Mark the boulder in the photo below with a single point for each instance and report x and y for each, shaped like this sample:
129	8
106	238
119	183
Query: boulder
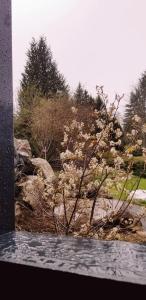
106	207
138	195
22	166
59	210
46	169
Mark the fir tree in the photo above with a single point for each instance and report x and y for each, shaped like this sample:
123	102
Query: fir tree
136	105
41	70
82	97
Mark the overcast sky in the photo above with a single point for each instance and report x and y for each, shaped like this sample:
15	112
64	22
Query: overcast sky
93	41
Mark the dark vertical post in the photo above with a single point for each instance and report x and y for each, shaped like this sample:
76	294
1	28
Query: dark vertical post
7	219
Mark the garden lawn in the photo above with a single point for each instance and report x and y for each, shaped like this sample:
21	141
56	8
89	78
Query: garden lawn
134	179
131	185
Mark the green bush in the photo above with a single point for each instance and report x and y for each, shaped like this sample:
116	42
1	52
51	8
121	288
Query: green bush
139	168
137	152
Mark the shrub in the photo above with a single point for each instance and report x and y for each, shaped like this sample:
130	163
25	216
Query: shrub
139	168
85	170
47	126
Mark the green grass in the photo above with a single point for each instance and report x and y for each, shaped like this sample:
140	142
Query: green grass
131	185
113	192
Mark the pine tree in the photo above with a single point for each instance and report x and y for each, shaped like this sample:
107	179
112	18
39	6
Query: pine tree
99	103
41	70
136	105
131	110
82	97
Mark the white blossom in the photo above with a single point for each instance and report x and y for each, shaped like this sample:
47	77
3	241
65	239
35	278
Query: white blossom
78	153
66	155
113	150
136	118
118	162
139	142
100	124
119	142
133	132
112	143
118	133
74	110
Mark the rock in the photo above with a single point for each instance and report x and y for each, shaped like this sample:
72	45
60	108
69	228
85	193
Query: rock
22	147
42	165
105	207
22	155
23	166
138	195
98	215
28	168
18	160
59	210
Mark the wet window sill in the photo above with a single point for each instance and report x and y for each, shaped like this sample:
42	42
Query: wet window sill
116	260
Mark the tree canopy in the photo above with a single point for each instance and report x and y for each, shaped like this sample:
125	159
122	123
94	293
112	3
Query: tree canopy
137	104
82	97
41	70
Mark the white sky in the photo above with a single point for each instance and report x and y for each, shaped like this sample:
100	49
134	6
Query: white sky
93	41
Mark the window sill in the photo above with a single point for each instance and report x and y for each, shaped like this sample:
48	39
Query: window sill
115	260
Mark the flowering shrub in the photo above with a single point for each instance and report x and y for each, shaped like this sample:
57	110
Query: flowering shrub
86	172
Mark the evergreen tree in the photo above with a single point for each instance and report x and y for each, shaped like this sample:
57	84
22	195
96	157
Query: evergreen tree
99	103
82	97
136	105
41	70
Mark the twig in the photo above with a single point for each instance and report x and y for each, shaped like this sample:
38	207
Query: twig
65	212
